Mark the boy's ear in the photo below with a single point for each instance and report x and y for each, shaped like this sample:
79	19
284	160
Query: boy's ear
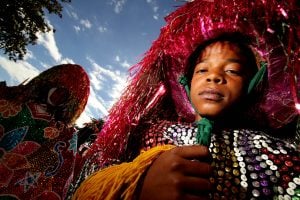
258	77
184	82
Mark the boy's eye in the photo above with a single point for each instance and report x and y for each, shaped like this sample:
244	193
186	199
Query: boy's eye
201	71
201	68
233	72
233	69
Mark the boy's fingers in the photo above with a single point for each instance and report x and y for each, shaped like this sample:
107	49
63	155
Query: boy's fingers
197	185
196	168
192	152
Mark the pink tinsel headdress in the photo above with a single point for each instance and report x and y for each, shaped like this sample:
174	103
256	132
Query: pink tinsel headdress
273	24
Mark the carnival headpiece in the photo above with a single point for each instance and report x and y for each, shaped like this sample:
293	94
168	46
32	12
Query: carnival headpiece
70	78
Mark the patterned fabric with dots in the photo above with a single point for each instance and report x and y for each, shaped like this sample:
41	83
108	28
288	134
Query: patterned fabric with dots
248	164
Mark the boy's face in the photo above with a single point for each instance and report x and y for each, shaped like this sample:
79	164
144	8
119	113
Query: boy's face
219	79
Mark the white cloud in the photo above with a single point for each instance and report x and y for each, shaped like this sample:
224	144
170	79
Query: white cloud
18	71
67	61
155	8
72	14
28	55
125	64
86	23
102	29
118	5
77	28
48	41
45	65
117	90
96	80
101	76
111	74
96	102
117	58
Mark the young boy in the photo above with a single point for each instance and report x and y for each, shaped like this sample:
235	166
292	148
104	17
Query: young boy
219	82
239	163
151	137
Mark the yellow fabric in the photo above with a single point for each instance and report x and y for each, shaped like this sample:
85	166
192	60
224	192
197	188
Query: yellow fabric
118	181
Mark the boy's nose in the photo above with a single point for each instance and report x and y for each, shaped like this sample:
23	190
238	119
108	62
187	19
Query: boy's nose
215	77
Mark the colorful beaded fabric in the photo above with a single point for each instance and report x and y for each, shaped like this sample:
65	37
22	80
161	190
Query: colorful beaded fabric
38	144
247	164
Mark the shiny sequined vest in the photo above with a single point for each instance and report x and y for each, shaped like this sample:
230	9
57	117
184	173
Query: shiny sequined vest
247	164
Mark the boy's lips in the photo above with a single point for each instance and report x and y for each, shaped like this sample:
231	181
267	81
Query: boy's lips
211	94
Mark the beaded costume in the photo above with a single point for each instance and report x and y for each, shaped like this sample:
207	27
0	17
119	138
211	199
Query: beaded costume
247	163
38	142
154	110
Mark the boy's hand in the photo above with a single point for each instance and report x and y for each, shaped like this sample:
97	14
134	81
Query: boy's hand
181	173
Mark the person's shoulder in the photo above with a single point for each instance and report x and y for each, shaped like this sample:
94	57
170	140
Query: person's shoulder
173	123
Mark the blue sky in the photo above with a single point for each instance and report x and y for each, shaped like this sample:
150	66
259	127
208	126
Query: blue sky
106	37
